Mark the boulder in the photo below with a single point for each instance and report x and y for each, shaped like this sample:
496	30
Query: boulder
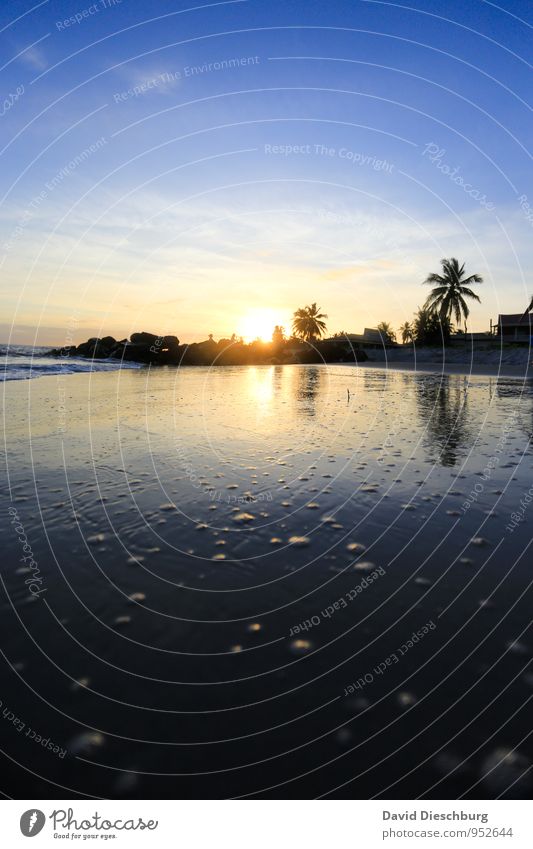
103	347
144	338
86	349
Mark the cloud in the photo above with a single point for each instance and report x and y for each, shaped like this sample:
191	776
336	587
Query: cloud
135	82
34	58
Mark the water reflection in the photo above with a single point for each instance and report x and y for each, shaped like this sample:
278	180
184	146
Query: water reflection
442	404
308	386
522	392
261	386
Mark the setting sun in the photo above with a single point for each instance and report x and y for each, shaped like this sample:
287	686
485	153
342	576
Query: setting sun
259	324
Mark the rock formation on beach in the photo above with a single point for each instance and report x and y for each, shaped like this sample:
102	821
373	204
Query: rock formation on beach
140	348
151	349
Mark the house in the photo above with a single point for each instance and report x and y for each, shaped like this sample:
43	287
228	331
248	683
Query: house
515	327
371	338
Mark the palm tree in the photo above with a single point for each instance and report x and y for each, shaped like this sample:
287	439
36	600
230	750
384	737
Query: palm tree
430	329
448	296
308	323
386	331
406	331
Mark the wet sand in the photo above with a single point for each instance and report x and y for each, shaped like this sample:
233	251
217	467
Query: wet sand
240	582
524	371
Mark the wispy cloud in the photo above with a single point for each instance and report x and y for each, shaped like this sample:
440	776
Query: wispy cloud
133	81
34	58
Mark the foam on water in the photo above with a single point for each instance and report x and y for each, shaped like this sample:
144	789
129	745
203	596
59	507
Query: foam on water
23	362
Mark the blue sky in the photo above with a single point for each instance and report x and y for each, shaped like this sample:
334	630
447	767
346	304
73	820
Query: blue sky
196	170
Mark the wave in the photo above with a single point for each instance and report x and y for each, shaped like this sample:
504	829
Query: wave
22	351
22	362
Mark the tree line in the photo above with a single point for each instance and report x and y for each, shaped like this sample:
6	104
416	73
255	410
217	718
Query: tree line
433	322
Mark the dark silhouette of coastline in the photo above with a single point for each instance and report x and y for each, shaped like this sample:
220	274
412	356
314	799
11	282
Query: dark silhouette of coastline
152	349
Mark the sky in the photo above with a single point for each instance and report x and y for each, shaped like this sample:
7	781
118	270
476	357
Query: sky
195	168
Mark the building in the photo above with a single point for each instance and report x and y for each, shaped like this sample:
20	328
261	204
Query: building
371	338
515	327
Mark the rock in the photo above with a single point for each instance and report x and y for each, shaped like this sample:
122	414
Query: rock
144	338
143	348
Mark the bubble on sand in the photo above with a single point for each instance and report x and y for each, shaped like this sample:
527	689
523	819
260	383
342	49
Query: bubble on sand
137	597
503	768
121	621
406	699
355	547
86	743
243	518
517	647
364	566
80	684
95	539
358	705
300	646
299	542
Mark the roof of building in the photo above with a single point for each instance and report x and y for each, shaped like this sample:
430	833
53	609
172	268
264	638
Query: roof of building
514	319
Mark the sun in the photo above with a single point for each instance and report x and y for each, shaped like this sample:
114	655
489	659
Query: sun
258	324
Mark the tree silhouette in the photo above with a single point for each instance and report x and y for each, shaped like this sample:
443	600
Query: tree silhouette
406	332
386	331
308	323
448	296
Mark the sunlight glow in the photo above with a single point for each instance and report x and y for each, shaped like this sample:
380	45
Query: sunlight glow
258	324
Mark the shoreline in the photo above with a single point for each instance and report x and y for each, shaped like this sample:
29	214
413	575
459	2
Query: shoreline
523	371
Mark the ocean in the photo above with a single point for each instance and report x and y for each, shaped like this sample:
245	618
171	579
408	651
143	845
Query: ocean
24	362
